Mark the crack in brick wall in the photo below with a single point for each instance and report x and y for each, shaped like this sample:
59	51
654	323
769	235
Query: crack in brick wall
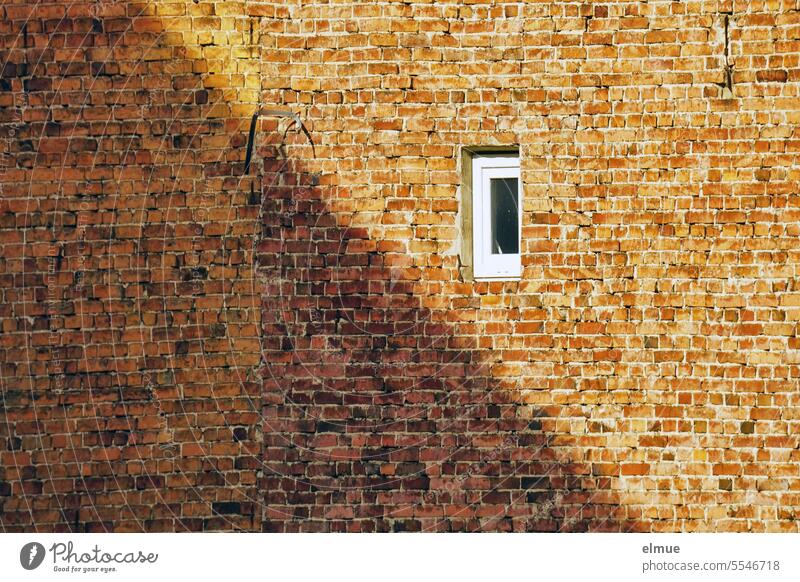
652	340
186	348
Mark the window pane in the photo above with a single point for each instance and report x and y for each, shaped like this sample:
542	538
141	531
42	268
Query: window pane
505	216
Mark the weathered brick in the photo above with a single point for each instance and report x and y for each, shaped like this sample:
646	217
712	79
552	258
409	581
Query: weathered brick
191	327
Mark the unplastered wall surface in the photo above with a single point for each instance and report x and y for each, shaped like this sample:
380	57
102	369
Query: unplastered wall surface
130	345
301	350
643	373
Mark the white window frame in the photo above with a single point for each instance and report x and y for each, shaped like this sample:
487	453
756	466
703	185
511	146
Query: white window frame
485	264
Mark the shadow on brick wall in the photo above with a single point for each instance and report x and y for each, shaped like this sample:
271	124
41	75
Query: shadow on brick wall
129	327
381	412
129	399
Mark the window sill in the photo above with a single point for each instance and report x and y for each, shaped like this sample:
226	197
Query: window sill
479	279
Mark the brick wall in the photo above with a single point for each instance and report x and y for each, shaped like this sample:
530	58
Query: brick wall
298	350
130	336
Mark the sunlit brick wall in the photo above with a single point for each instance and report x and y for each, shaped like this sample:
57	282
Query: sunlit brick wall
300	349
643	374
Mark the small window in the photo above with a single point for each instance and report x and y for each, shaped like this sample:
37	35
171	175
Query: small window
496	217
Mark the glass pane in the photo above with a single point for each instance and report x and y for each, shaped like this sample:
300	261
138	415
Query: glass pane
505	216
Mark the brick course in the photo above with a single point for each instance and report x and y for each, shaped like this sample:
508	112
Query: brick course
299	349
